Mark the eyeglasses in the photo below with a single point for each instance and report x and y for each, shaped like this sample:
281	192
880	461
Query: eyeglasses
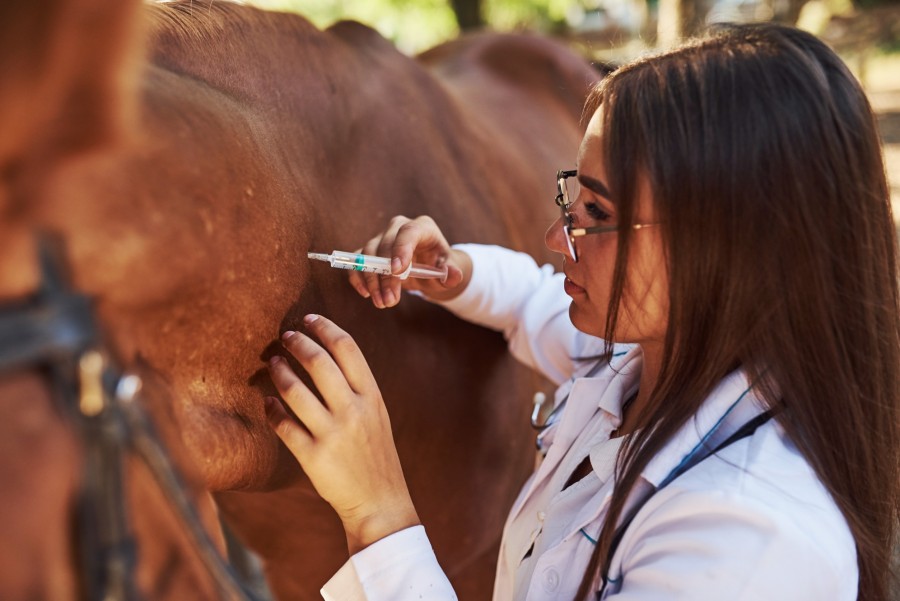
563	202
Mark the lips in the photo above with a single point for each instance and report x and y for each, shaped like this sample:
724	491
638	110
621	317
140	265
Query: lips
572	288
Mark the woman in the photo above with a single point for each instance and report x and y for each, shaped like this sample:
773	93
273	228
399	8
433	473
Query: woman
726	425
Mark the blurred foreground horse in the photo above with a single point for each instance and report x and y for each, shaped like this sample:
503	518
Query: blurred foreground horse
64	96
260	138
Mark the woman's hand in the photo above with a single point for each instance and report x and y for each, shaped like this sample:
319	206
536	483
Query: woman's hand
412	240
344	443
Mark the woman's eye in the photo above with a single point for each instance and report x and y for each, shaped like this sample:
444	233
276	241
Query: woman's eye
596	212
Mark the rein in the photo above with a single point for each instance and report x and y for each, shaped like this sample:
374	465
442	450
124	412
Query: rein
56	330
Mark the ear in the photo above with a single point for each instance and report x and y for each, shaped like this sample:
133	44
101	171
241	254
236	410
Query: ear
65	67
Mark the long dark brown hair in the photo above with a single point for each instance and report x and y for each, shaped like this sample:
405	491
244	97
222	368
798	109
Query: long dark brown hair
767	175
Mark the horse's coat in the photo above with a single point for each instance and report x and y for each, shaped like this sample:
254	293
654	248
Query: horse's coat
261	138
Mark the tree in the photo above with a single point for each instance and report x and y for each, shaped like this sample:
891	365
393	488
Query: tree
677	20
468	14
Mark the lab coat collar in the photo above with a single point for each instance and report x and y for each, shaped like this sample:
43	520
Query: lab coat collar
625	366
731	404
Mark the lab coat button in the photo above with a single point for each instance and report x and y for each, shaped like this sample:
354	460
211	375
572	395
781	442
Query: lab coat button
541	516
551	580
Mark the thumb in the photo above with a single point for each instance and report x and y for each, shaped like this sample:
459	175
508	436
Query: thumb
454	276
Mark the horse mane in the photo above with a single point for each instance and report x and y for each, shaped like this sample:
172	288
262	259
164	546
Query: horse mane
199	23
241	50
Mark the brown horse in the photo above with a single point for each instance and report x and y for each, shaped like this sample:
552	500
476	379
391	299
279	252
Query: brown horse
261	138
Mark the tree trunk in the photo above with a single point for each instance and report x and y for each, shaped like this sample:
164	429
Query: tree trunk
793	11
678	19
468	14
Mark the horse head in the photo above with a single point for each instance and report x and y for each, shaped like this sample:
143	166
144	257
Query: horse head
68	98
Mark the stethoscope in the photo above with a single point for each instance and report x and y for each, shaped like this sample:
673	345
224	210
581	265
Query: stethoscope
540	399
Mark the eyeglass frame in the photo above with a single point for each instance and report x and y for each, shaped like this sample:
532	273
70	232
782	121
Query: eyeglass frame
563	202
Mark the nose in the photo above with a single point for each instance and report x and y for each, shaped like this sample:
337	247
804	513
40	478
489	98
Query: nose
555	238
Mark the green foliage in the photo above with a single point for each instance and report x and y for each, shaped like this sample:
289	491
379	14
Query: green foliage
543	15
415	25
412	25
871	3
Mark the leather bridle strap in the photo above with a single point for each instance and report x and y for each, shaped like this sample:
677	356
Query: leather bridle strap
56	330
54	326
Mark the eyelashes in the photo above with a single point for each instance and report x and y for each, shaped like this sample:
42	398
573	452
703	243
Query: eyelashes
595	212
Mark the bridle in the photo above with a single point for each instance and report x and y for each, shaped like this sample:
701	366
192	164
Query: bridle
57	330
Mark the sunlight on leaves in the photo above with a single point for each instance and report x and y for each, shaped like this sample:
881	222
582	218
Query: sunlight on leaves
411	26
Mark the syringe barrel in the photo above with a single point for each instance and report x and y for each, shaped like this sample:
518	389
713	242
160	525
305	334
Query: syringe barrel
358	262
417	270
382	265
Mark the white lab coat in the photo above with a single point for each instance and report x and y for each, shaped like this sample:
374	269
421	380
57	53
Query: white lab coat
753	522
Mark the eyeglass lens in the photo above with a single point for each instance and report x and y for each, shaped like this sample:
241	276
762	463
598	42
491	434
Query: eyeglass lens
569	188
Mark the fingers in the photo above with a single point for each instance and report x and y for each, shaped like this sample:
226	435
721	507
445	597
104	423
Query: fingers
384	290
293	434
391	286
407	239
404	240
454	276
337	367
339	372
402	245
305	405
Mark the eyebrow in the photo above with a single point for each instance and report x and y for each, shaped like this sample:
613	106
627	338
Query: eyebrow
594	185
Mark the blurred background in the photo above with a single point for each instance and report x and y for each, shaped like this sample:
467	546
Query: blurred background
606	27
866	33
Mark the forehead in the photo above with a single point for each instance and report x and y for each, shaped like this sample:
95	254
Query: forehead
590	151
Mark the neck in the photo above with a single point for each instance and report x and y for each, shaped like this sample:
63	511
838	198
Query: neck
652	360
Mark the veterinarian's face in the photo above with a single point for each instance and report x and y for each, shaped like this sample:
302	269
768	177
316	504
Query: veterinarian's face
642	316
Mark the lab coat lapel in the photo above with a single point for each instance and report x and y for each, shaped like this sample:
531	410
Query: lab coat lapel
587	395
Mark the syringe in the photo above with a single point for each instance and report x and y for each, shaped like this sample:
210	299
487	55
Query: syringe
358	262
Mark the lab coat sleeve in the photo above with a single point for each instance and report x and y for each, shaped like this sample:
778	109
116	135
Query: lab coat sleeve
714	545
511	294
399	567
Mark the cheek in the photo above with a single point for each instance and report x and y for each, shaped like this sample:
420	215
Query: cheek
646	298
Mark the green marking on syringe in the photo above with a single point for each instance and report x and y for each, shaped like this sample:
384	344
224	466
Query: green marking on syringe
360	263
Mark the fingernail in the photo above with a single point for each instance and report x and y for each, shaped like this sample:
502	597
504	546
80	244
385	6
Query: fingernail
274	359
360	289
310	318
388	297
288	334
451	276
270	406
396	264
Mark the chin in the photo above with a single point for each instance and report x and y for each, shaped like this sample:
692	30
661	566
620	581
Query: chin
587	322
